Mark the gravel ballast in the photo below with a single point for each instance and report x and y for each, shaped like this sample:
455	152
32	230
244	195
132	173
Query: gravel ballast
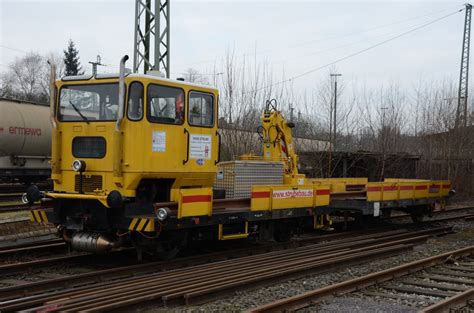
242	300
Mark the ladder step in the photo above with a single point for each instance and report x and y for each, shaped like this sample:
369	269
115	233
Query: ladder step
238	233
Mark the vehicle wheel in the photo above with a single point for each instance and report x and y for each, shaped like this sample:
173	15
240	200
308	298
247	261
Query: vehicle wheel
283	232
283	236
366	221
417	217
170	247
386	213
168	250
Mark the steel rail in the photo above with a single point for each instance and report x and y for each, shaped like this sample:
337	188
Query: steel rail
23	266
10	196
46	262
10	188
193	283
43	247
306	299
447	210
193	260
31	244
174	285
449	303
14	207
202	292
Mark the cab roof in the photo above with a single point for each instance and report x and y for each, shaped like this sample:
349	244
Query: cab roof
134	75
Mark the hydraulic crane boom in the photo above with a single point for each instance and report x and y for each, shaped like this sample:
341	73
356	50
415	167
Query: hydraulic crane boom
277	139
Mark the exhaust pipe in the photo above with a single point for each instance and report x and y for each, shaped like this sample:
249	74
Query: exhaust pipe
118	153
92	242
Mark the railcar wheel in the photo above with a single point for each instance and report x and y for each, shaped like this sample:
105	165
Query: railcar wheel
386	213
283	231
168	250
283	236
417	217
169	247
166	247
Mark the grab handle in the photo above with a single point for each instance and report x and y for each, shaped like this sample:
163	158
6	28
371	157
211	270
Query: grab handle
187	146
218	148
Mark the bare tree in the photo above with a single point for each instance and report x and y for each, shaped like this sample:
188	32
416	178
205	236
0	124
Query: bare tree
194	76
27	78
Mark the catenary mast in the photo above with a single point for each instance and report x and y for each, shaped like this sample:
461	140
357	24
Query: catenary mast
151	50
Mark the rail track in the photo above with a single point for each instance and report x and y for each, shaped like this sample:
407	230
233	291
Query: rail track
53	245
10	202
13	208
448	276
349	242
57	246
20	188
10	197
437	212
187	281
36	249
462	302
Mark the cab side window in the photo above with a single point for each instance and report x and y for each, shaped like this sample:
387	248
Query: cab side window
135	101
201	109
165	104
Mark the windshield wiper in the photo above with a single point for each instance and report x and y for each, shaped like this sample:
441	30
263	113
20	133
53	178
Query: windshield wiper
78	112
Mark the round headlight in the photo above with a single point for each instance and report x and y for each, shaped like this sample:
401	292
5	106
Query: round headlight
162	213
79	165
24	198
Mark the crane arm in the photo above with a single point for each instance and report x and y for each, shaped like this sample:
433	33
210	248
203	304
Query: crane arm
278	139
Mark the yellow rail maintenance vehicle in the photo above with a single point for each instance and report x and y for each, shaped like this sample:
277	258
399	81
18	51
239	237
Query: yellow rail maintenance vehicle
134	161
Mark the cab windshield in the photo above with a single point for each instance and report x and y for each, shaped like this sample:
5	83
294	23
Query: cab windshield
88	103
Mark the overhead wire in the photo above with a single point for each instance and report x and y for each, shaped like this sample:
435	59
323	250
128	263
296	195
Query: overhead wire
299	57
13	49
358	52
325	38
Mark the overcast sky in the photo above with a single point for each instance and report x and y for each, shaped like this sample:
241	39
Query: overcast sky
291	37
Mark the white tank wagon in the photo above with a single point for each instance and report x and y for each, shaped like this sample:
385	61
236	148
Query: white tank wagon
25	141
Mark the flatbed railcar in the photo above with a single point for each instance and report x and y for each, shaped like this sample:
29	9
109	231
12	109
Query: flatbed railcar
135	161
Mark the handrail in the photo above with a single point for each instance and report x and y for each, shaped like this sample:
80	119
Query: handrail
218	148
187	146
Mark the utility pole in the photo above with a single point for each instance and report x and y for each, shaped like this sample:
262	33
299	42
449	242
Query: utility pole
151	50
461	111
335	109
292	109
332	124
384	109
95	64
383	136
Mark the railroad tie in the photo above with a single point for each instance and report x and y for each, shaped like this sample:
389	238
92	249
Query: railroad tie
470	264
452	273
439	286
460	268
433	293
395	296
447	279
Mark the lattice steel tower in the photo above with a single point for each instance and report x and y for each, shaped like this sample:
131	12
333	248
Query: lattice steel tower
461	112
152	36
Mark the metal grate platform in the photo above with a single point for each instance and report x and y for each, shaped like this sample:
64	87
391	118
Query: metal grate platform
237	177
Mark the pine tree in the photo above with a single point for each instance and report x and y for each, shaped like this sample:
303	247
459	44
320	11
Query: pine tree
71	60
